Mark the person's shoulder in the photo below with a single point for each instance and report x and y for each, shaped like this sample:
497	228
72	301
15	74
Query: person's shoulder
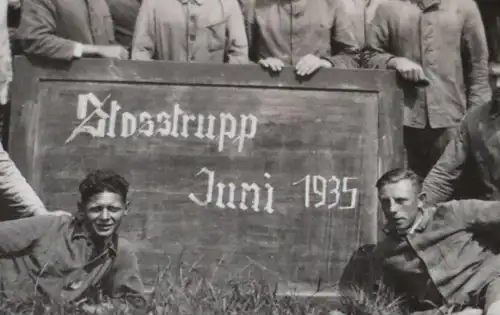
390	5
457	208
463	4
125	246
443	210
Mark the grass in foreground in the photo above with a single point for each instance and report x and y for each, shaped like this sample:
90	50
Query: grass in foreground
186	292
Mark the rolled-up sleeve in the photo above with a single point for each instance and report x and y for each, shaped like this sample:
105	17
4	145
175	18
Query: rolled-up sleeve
124	281
343	37
439	184
18	235
477	214
17	197
37	29
237	35
476	54
375	55
143	42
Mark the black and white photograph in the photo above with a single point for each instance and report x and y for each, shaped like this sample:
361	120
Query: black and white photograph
249	157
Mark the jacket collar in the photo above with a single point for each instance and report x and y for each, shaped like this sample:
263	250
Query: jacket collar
426	4
418	226
198	2
80	231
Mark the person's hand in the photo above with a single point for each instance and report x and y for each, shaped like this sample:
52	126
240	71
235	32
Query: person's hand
113	52
98	309
408	69
310	63
4	93
469	311
58	213
273	64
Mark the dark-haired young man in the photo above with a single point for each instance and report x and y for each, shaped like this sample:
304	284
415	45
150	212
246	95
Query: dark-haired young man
437	257
76	259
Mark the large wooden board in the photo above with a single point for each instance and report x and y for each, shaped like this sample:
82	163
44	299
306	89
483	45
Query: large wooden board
197	141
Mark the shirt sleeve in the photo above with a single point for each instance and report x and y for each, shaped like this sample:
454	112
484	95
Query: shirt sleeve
18	235
476	57
237	36
143	42
477	213
375	54
37	31
16	195
124	281
5	55
439	184
342	36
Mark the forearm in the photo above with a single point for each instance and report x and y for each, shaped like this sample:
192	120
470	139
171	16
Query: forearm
238	42
18	235
476	54
16	195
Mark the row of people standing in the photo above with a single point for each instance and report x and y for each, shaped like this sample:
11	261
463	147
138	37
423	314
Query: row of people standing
438	46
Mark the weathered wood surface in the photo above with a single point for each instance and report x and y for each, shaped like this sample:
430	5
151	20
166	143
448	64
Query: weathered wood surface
337	130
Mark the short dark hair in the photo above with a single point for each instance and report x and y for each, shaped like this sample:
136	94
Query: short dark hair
397	175
101	180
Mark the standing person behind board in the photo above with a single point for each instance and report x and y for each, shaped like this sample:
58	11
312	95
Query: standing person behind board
62	29
307	34
443	43
210	31
470	165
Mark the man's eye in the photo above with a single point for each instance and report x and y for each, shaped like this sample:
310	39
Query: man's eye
114	209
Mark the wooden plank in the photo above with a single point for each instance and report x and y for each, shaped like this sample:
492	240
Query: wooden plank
183	134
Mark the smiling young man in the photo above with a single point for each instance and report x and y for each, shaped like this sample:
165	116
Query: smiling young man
78	259
442	258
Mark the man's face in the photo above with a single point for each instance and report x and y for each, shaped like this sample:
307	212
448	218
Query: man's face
400	202
103	213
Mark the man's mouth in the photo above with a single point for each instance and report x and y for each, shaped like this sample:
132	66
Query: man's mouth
105	226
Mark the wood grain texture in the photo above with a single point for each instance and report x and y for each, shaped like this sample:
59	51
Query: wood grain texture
341	123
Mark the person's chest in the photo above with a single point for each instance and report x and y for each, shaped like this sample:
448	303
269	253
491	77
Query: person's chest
66	266
435	29
177	16
296	19
79	19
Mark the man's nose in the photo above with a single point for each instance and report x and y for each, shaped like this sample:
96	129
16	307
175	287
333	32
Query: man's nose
105	214
393	207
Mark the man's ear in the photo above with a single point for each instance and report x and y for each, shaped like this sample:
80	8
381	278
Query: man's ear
80	206
127	207
422	199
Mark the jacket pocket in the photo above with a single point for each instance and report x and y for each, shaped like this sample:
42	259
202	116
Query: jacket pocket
216	35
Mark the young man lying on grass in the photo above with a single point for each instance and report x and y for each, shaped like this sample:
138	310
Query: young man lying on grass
74	260
438	257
